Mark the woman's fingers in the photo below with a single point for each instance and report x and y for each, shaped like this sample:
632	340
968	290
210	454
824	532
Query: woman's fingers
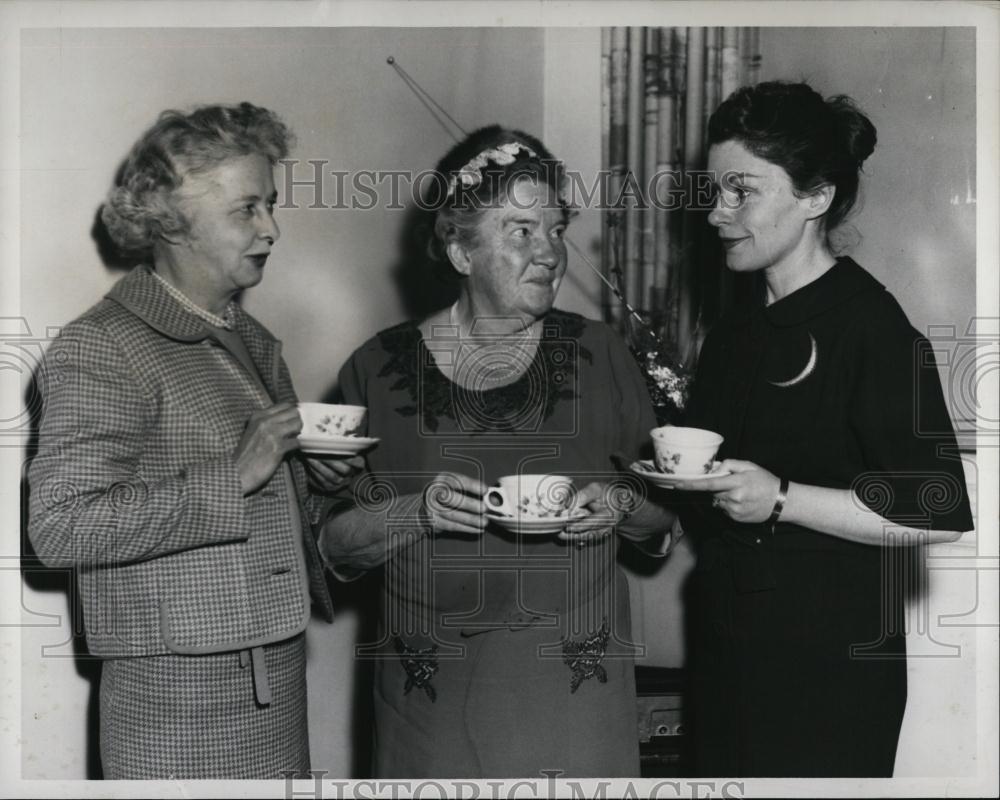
722	484
454	521
446	499
320	467
470	523
449	488
331	474
741	472
343	466
455	503
589	493
580	539
270	434
600	520
457	482
467	484
753	497
282	416
736	465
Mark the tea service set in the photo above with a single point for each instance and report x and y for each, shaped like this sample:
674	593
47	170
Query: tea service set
529	505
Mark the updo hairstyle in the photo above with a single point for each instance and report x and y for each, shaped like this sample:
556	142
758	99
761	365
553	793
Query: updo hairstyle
815	141
459	206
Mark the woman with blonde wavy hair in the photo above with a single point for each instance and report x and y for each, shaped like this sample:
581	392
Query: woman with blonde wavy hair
166	472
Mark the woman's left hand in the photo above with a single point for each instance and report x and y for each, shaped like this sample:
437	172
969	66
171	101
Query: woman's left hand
748	495
599	523
328	474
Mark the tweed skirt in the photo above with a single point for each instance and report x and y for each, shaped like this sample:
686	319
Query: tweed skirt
191	717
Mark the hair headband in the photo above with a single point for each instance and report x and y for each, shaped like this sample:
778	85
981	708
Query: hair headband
471	174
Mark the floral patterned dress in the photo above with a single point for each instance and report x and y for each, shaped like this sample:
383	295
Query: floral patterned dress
500	655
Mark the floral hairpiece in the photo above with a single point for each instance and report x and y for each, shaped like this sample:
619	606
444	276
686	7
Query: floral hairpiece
471	174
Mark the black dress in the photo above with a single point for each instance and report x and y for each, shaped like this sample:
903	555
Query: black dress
798	659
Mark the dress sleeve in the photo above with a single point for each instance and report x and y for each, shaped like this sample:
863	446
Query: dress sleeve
89	503
914	475
351	389
636	418
633	409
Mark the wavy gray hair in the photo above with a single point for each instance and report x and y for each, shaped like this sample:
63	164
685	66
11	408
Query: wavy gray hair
141	208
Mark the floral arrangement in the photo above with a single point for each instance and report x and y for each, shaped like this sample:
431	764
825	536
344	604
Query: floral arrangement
667	380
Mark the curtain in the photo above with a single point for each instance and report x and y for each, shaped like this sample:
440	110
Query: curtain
659	87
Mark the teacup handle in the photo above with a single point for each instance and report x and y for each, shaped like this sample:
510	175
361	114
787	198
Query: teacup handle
497	500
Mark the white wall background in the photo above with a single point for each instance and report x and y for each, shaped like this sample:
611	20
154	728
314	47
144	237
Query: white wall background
88	94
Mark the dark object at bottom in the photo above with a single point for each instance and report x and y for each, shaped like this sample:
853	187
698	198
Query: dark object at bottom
663	740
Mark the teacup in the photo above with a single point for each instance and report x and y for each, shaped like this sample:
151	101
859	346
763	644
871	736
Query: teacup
330	419
685	451
540	496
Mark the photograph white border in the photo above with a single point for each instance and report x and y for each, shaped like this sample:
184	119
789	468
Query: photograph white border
16	16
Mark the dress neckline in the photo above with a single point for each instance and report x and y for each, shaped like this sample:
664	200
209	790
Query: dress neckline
839	284
547	380
521	377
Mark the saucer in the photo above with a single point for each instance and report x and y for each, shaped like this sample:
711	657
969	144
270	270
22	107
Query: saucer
335	445
648	471
530	525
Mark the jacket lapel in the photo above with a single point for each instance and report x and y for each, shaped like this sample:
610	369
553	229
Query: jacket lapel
265	351
143	295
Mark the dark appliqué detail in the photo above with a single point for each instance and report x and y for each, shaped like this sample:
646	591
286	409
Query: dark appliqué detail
431	393
584	657
420	666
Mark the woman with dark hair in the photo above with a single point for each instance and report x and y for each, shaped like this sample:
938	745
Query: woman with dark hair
164	470
502	652
824	393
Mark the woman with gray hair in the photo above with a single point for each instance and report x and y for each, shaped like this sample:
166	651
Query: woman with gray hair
505	646
166	471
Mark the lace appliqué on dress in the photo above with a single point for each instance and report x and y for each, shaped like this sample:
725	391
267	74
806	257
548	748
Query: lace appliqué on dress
420	666
584	657
433	395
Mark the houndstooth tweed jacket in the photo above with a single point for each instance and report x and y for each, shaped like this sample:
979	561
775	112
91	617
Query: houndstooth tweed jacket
135	484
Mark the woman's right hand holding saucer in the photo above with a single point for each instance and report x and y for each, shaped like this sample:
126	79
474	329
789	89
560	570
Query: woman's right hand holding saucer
745	492
270	435
453	503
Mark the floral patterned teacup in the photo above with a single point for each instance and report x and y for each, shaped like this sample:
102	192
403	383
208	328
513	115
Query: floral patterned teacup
539	496
329	419
685	451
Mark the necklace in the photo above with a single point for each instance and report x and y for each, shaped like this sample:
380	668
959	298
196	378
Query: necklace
226	321
493	362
